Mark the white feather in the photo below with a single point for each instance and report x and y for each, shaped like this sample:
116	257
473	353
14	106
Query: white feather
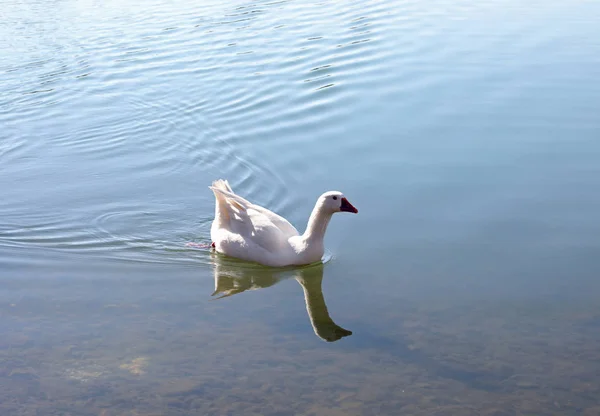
250	232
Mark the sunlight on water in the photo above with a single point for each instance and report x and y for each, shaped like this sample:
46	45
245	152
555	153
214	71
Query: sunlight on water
466	134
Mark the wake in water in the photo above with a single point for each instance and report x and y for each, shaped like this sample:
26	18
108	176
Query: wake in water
202	246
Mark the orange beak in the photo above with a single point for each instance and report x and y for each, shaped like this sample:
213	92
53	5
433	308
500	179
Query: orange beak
347	207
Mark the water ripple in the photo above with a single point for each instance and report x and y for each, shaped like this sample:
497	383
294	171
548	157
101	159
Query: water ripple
211	123
119	120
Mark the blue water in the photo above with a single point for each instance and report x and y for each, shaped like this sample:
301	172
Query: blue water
466	135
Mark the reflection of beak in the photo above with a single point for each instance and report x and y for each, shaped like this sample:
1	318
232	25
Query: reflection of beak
347	206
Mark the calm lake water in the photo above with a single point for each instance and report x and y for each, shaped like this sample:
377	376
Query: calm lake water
466	133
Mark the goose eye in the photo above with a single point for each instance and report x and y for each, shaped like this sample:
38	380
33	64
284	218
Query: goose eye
335	198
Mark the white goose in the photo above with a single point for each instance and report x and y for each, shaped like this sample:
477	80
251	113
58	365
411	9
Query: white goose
250	232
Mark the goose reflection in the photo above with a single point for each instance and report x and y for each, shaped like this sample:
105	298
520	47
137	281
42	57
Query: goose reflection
233	277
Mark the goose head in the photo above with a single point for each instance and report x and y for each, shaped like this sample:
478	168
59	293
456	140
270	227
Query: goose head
334	201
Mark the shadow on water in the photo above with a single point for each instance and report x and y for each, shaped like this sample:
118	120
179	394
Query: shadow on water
233	277
401	348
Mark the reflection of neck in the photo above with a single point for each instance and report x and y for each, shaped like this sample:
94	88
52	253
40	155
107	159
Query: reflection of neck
318	314
317	224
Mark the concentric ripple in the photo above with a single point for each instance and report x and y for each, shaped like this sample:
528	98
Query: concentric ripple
116	117
128	123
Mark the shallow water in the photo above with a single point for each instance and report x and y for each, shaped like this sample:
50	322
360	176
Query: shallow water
465	134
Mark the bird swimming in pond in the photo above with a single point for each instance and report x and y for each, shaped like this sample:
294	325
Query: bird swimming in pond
250	232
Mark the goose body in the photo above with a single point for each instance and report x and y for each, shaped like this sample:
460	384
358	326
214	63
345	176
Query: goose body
250	232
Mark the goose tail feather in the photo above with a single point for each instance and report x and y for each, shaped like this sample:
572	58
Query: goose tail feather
222	184
221	207
222	190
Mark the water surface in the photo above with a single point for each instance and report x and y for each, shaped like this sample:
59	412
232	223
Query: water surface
466	135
